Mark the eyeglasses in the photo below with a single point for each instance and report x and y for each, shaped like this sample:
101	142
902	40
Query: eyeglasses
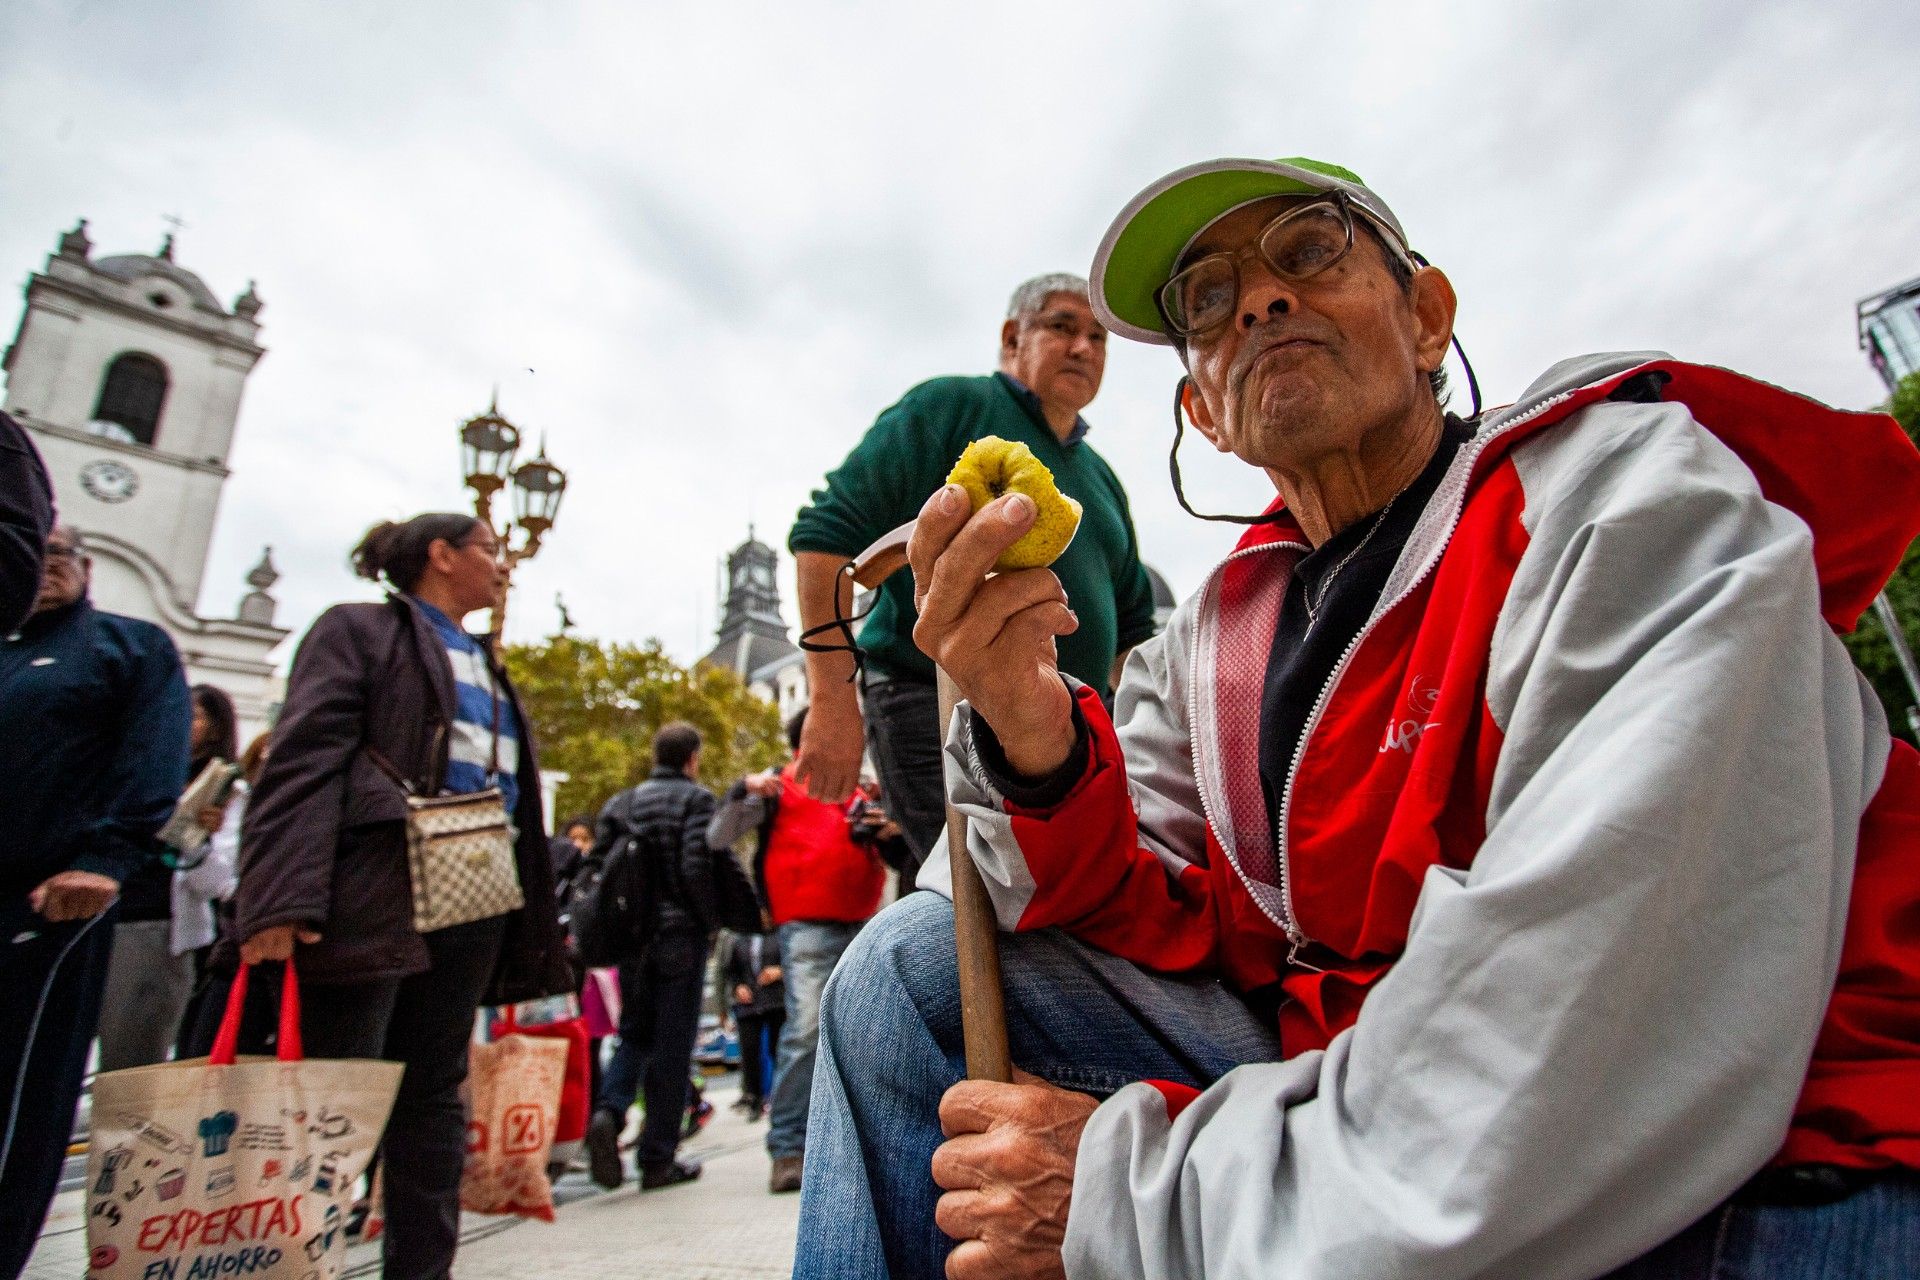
490	546
57	552
1296	246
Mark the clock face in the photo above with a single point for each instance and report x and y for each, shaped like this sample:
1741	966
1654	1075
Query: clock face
109	481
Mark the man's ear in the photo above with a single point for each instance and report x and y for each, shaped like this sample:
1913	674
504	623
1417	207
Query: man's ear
1200	415
1434	305
1009	339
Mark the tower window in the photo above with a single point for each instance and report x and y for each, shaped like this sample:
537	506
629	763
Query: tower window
132	395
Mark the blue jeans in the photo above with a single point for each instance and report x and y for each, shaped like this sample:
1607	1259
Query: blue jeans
1873	1234
809	950
890	1045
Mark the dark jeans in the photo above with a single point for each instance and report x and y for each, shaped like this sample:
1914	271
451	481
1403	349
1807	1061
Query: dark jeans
203	985
259	1018
903	737
759	1032
426	1022
51	977
659	1017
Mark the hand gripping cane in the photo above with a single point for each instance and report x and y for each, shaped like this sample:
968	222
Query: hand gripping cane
983	1014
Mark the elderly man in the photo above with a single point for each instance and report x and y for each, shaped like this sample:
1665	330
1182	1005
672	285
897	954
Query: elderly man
93	747
1052	355
1460	884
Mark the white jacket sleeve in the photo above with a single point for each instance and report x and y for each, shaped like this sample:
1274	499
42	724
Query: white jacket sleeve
1599	1031
210	879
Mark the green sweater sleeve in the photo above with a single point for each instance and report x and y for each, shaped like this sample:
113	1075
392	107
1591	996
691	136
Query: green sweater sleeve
1132	590
883	483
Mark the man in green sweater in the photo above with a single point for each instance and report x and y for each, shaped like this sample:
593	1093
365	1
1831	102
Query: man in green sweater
1052	355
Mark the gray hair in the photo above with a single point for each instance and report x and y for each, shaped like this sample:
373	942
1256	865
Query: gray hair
1030	297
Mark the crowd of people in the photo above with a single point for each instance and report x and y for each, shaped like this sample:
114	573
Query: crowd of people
168	857
1497	868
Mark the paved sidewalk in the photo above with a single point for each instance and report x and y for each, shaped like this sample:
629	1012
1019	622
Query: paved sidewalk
723	1227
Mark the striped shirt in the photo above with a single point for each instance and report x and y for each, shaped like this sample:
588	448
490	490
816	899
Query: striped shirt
477	701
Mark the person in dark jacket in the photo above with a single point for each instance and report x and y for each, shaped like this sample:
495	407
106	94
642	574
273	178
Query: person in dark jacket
95	755
570	845
753	974
660	986
383	698
26	517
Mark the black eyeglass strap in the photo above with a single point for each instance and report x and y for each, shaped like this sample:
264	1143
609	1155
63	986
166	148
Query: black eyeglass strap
1173	465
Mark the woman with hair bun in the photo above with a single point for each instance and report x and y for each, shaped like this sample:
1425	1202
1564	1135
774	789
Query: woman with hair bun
381	693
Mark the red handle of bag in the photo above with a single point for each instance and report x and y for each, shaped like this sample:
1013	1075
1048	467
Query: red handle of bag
226	1044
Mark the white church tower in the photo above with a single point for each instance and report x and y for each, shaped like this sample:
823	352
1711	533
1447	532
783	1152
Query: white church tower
128	372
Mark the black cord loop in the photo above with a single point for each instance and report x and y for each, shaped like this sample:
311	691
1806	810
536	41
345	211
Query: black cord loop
842	623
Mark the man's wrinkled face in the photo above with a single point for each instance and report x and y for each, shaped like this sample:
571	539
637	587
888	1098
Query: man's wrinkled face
67	573
1311	367
1060	352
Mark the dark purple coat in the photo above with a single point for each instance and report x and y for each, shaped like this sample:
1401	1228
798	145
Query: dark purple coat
324	839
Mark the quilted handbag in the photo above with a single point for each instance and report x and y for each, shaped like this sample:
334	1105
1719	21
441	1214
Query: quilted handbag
459	848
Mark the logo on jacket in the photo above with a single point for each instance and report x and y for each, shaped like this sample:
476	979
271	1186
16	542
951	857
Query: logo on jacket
1404	734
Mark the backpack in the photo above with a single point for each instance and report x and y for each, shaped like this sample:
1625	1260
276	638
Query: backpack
610	905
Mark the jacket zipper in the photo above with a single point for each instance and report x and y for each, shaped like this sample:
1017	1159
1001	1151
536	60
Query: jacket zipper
1193	743
1297	938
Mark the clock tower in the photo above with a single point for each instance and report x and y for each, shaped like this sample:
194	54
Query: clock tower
128	372
753	636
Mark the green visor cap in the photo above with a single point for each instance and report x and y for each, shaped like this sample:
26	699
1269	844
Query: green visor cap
1138	253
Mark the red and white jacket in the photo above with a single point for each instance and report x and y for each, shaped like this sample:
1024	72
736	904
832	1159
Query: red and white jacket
1581	832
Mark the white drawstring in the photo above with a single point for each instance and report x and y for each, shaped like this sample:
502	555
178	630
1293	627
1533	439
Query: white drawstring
26	1050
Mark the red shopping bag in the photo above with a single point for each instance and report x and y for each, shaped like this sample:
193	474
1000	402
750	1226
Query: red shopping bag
576	1091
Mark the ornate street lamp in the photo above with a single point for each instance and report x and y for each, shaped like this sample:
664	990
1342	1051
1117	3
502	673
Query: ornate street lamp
487	447
538	487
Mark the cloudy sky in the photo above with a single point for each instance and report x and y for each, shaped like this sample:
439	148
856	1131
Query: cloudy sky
700	246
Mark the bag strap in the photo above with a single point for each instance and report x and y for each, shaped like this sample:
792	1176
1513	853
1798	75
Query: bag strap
386	766
493	695
226	1044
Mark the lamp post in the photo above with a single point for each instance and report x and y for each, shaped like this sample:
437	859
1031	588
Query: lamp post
488	444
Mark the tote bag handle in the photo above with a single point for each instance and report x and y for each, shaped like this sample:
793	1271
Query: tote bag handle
226	1044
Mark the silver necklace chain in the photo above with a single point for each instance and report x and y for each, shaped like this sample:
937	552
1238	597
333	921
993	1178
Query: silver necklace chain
1315	599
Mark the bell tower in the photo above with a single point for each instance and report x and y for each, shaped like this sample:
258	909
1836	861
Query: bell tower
128	371
752	632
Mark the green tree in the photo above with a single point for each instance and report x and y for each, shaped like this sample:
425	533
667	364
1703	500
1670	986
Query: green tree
1905	405
595	707
1869	644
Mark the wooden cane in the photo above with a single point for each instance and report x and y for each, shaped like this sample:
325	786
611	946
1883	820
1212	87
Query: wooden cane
983	1013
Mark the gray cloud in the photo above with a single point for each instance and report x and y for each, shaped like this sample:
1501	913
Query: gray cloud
723	240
